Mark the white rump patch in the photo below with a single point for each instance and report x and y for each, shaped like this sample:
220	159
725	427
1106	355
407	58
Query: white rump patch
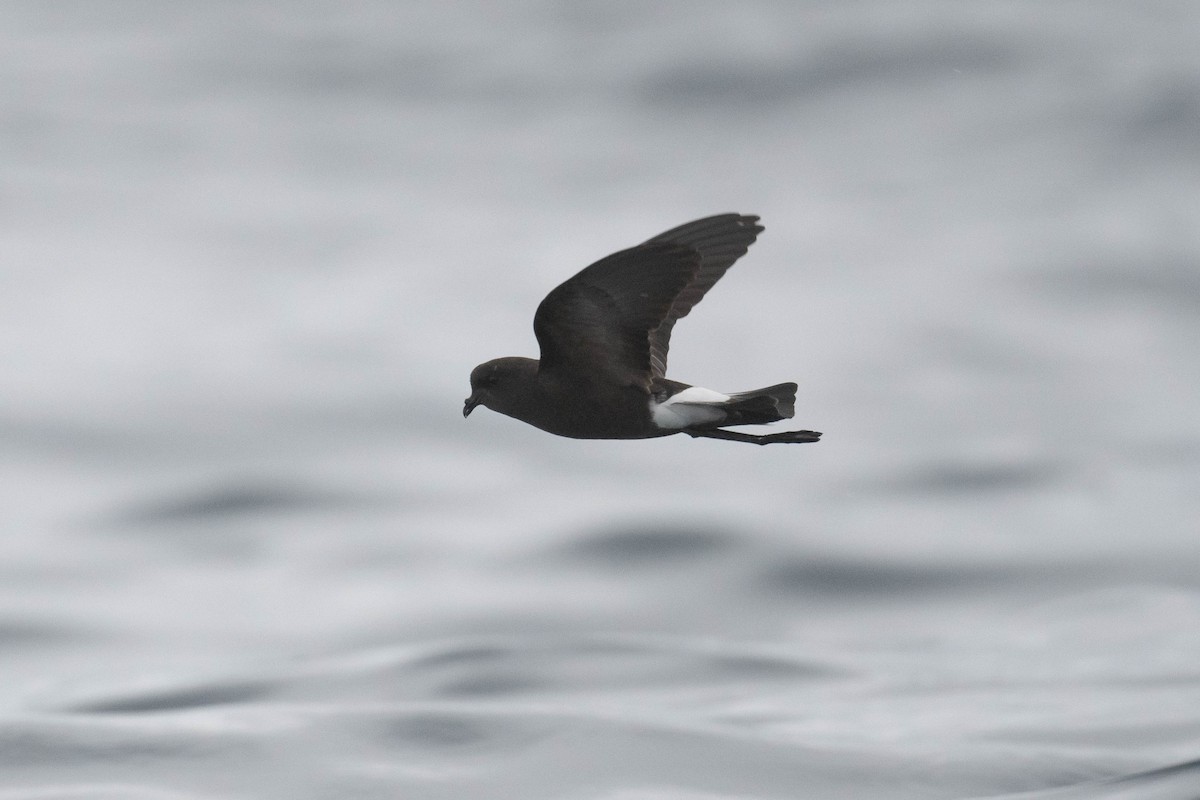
692	406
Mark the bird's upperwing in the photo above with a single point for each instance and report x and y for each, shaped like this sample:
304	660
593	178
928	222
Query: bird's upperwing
718	242
597	325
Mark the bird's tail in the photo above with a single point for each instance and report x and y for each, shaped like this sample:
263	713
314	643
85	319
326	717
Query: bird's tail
761	406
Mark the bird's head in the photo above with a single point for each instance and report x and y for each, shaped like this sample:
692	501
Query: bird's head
499	384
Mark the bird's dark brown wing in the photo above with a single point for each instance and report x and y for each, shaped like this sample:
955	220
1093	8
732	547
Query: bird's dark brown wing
718	241
596	326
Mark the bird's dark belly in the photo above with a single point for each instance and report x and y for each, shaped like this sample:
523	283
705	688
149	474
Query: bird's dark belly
600	414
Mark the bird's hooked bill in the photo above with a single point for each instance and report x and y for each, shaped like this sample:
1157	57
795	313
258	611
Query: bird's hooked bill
469	404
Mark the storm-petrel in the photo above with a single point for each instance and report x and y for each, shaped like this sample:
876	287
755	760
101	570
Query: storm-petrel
604	336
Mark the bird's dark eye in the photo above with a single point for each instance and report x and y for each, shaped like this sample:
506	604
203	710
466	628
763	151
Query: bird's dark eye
488	381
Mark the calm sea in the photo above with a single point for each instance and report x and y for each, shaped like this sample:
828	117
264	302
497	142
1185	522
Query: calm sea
250	252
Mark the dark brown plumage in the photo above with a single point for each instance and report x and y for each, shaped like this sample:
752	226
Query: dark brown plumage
604	336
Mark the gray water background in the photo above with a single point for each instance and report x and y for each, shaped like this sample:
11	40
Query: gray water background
250	251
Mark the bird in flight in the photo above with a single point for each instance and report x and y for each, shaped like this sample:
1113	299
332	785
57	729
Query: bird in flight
604	336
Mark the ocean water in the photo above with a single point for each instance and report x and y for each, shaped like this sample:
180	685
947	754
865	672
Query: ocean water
250	251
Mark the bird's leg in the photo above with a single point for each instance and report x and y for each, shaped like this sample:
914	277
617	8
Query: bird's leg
783	437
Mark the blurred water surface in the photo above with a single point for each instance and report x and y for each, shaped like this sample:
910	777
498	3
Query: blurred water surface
250	251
